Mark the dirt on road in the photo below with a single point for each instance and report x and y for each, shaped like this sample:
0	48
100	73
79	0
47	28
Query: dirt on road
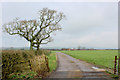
70	68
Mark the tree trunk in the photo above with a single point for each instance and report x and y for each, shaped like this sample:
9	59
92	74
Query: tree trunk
31	46
38	47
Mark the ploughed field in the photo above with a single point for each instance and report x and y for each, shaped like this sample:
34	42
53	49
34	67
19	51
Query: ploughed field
102	58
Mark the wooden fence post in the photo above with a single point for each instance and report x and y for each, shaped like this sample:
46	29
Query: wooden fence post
115	65
47	64
119	65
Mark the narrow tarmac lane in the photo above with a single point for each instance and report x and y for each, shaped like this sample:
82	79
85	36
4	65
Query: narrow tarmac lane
74	69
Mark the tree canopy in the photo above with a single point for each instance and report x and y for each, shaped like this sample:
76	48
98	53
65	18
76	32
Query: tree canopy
36	31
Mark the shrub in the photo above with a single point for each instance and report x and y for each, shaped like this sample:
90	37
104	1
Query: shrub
17	61
40	65
27	75
40	52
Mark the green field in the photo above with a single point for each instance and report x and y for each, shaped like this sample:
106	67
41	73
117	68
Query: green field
103	58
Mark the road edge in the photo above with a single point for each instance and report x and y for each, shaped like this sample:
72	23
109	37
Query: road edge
57	61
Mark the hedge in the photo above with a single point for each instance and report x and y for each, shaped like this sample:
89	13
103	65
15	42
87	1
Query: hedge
16	62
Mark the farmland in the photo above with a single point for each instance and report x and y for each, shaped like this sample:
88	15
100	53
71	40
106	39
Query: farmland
103	58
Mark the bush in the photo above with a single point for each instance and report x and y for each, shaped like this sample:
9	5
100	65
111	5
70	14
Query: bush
27	75
40	65
17	61
40	52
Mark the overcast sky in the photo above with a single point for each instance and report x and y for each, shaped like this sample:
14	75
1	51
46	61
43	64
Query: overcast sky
88	24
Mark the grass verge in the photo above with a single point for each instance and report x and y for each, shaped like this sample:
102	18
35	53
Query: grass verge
52	61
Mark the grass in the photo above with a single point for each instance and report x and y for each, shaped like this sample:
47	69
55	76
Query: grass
52	61
104	58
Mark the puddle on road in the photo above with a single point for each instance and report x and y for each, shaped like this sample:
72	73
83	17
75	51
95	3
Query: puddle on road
98	69
95	67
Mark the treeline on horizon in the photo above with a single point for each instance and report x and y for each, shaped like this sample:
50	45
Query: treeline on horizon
12	48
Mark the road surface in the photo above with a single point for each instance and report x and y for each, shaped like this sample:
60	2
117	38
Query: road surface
74	69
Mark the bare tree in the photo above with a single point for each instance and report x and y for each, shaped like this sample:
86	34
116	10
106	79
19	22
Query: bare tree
37	31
